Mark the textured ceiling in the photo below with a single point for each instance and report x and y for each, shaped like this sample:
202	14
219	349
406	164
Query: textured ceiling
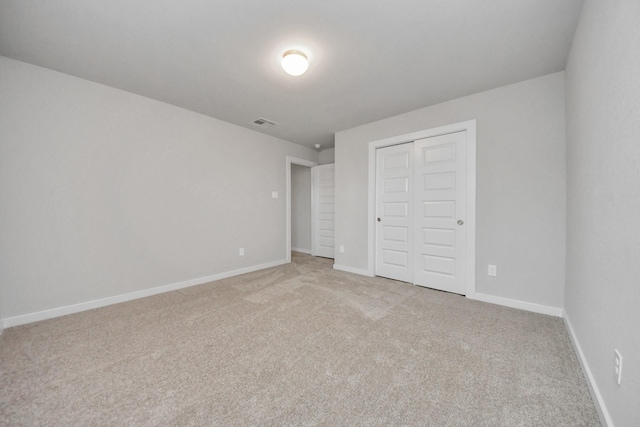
369	59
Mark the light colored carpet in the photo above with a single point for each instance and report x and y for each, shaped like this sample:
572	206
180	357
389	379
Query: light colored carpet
299	344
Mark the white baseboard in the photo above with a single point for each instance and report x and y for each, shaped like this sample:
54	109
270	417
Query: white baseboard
304	251
605	418
360	271
507	302
514	303
83	306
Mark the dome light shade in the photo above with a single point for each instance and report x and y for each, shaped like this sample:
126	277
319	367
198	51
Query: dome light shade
295	62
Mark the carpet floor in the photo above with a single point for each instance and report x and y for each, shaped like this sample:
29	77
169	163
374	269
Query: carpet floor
299	344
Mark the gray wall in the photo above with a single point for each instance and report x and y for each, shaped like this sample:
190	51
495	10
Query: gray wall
301	208
327	156
104	192
602	299
521	192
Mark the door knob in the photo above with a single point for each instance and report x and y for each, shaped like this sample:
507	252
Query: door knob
460	222
379	220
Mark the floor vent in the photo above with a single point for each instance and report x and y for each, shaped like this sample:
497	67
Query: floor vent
263	123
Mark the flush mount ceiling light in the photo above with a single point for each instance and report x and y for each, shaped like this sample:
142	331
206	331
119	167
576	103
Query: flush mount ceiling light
295	62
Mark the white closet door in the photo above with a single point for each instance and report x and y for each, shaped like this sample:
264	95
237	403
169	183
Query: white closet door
323	211
394	212
439	212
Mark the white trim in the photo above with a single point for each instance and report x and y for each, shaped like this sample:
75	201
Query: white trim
601	408
470	222
522	305
360	271
288	162
304	251
89	305
314	203
471	208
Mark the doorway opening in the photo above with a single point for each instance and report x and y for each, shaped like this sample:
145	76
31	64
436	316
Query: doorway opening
297	168
310	194
301	209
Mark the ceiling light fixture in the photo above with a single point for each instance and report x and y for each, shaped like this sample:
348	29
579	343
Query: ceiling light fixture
295	62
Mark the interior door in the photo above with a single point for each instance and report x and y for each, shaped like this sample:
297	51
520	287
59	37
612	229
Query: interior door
394	212
323	211
439	212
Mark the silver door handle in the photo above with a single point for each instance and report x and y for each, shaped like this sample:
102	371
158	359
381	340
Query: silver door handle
460	222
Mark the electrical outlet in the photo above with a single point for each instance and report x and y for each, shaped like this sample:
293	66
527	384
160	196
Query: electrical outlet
241	252
341	249
274	194
618	366
492	270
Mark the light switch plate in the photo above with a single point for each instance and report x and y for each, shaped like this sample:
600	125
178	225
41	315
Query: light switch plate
618	366
492	270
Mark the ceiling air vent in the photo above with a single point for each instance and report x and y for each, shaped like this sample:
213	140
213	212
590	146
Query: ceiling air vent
263	123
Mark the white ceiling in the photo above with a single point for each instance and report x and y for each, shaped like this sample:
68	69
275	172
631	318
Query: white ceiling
369	59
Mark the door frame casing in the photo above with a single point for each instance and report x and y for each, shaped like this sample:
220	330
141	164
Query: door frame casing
470	127
290	160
